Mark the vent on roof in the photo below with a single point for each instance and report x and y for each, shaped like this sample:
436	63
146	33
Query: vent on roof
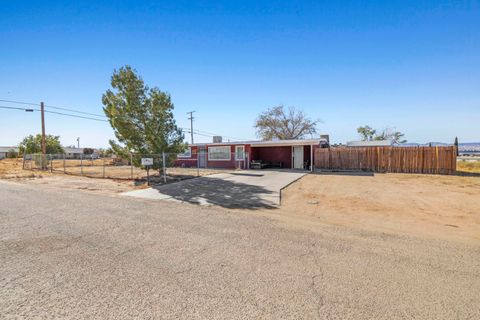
217	139
326	137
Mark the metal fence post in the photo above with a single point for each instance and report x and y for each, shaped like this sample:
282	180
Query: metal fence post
164	168
81	164
104	167
23	165
198	165
131	166
51	163
64	167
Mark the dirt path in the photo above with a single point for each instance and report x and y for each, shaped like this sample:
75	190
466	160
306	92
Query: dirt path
446	207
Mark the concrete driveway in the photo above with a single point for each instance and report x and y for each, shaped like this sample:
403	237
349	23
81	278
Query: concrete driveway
243	189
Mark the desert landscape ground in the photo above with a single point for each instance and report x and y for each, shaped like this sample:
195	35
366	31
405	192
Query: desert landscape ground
440	207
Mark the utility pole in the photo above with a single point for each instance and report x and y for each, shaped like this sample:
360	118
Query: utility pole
44	144
191	123
78	142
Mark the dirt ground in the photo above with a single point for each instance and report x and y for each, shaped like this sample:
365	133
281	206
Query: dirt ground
92	180
446	207
469	166
11	169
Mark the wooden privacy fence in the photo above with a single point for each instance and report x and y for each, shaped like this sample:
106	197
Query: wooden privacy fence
436	160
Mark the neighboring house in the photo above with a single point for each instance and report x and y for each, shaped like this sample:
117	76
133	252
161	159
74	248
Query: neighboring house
73	153
4	151
289	154
374	143
77	153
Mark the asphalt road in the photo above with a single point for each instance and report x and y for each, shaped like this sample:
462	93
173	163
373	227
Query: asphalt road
69	254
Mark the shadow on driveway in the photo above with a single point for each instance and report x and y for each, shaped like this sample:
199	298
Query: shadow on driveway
220	192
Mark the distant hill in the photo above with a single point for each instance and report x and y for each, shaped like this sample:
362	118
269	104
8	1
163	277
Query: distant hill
469	147
463	147
433	144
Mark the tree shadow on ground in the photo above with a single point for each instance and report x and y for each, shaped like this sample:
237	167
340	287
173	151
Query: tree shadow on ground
158	179
220	192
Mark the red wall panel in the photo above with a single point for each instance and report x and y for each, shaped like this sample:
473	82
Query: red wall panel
273	154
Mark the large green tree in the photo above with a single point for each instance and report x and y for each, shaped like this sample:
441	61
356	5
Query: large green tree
33	144
141	117
367	133
284	123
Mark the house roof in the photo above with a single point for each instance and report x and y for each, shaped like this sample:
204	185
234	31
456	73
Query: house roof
271	143
8	149
379	143
73	150
297	142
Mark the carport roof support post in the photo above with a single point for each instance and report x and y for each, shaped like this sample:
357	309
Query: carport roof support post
311	158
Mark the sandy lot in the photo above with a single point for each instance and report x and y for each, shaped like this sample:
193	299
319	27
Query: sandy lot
90	178
11	169
446	207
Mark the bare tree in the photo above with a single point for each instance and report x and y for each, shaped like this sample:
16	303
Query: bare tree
283	124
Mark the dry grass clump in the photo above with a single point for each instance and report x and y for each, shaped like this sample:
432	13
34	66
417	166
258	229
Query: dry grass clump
468	166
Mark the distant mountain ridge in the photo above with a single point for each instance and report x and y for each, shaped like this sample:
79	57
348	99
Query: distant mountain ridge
464	147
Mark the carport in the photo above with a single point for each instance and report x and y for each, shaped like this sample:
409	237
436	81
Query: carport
290	154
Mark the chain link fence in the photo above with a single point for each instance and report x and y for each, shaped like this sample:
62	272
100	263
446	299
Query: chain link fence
156	168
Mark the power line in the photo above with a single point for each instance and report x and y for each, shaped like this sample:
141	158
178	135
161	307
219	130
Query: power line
75	116
54	112
191	131
54	107
20	102
76	111
215	134
209	134
14	108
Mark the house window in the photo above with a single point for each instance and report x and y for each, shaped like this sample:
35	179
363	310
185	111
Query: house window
186	154
219	153
239	153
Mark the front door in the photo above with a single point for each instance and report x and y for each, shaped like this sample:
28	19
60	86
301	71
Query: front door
202	157
298	157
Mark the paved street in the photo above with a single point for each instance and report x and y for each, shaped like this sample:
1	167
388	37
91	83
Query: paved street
72	254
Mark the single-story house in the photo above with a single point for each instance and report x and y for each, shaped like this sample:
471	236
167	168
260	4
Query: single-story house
289	154
73	153
77	153
4	151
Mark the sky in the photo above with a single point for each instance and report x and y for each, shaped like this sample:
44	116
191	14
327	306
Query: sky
409	65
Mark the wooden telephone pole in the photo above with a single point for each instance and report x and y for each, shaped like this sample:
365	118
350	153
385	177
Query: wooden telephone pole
44	143
191	123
